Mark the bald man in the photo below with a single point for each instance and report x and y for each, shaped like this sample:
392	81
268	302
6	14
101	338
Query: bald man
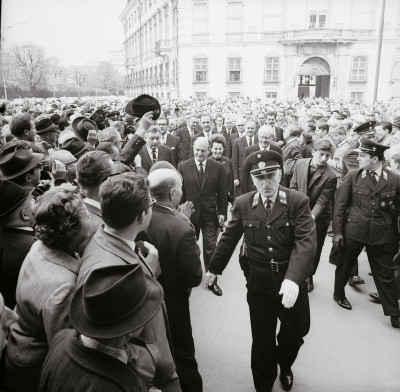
173	235
204	185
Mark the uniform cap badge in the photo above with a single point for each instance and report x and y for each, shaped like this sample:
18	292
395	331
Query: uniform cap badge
261	165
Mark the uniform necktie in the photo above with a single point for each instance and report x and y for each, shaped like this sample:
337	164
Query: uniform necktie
154	156
201	172
373	175
250	141
268	207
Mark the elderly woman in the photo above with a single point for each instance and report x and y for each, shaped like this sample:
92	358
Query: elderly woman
46	283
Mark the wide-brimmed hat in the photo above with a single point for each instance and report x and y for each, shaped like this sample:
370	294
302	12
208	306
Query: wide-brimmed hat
81	127
115	301
142	104
75	146
45	125
12	196
16	160
55	118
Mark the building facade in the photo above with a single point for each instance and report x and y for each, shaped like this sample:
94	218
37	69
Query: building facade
262	48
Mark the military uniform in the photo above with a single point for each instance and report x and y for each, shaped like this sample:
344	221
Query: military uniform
365	213
279	246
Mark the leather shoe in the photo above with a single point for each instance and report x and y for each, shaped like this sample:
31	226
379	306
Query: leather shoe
215	289
395	321
375	297
344	303
355	280
286	378
310	284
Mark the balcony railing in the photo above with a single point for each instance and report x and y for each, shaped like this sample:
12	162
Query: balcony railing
162	46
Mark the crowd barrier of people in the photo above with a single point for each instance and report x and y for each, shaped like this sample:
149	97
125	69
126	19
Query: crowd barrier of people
102	202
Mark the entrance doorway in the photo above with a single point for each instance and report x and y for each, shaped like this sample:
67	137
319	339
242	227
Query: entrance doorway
314	78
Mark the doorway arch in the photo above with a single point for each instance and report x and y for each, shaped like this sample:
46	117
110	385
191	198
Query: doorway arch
314	78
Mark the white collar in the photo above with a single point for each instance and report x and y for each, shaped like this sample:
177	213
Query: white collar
93	203
273	198
130	243
198	163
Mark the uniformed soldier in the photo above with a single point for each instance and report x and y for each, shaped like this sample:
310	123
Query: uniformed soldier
277	257
366	213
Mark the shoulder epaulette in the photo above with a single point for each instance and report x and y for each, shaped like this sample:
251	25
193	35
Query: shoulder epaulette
256	199
283	198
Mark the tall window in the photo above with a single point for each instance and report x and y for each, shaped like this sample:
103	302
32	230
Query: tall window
200	17
234	15
272	69
200	70
317	20
270	95
359	69
235	69
357	96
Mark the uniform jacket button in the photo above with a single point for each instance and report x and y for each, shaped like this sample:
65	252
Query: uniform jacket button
269	238
270	249
268	226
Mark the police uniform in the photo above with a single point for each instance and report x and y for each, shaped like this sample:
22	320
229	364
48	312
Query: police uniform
279	245
365	213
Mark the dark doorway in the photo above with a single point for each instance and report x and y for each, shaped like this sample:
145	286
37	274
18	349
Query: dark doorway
322	86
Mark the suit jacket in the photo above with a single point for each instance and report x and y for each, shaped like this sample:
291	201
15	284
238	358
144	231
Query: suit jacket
320	190
164	154
209	198
288	233
239	147
131	149
14	246
278	134
184	134
175	144
229	144
105	249
365	211
246	184
227	164
291	152
350	159
336	163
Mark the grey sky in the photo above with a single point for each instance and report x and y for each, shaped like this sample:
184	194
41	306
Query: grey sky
76	31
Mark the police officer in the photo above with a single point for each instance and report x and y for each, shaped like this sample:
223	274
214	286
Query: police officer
280	246
366	211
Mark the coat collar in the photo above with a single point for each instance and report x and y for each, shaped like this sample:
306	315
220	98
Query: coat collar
277	210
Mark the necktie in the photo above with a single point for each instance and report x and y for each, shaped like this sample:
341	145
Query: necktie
373	175
154	156
229	133
268	207
201	172
250	141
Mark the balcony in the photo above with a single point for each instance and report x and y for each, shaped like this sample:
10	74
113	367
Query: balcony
323	35
162	47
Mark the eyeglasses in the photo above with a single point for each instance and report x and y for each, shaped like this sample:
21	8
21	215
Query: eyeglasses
153	201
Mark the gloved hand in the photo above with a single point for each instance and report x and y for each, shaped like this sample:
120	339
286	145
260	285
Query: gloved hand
290	291
338	240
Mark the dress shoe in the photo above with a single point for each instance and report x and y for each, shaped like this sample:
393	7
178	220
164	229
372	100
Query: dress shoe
395	321
375	297
215	289
310	284
343	303
286	378
355	280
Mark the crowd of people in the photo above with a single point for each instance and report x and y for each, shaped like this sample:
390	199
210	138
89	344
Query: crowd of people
102	203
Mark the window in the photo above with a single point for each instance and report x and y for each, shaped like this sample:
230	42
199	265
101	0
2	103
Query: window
200	17
317	21
272	69
359	69
200	70
201	95
270	95
234	69
234	16
357	96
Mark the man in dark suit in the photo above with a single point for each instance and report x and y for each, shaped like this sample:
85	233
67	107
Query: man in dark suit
16	235
316	179
153	152
239	147
204	185
277	256
265	142
292	151
260	121
278	132
229	129
171	141
174	237
219	125
281	121
240	123
366	213
206	132
186	134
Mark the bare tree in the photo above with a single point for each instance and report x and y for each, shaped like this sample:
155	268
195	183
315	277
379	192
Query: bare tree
56	74
79	76
28	63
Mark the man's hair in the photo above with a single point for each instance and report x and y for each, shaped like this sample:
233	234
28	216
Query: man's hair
106	147
163	118
311	127
118	125
271	113
19	123
322	145
152	129
348	123
123	198
323	125
109	135
341	130
294	130
216	138
387	125
93	168
219	116
161	190
261	113
250	120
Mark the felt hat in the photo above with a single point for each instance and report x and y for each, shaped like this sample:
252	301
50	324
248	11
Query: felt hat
142	104
81	126
45	125
12	196
55	118
115	301
75	146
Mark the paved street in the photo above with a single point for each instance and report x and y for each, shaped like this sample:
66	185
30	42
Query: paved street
349	351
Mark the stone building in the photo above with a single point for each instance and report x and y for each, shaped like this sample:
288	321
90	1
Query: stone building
261	48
